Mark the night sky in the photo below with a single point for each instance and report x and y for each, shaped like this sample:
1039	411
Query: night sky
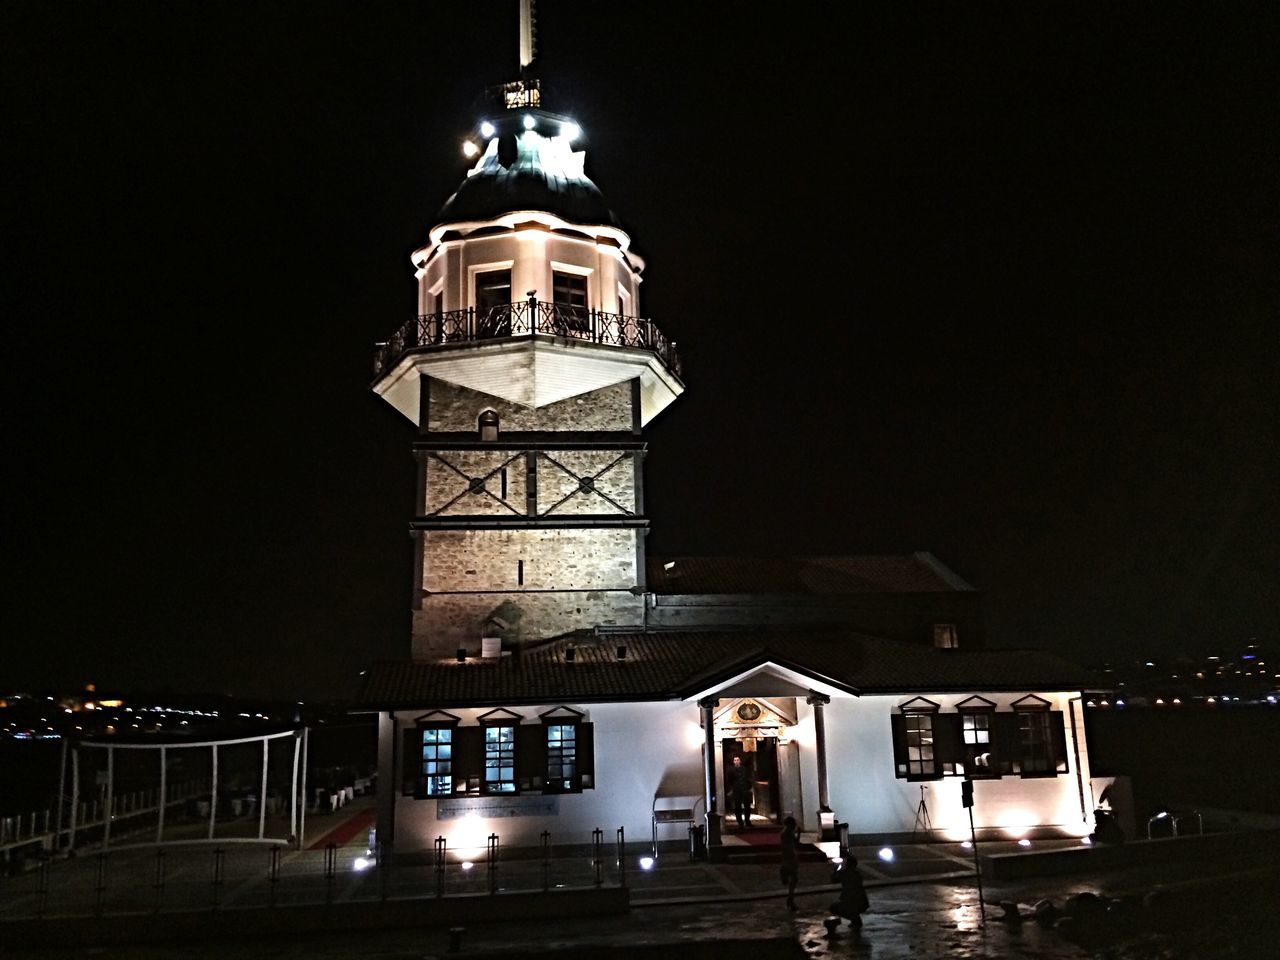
998	281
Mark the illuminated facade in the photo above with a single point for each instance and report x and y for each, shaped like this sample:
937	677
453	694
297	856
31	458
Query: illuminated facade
561	680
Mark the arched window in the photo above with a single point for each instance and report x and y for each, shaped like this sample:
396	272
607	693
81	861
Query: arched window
489	425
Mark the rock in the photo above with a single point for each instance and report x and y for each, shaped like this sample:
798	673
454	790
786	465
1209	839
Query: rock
1085	906
1046	912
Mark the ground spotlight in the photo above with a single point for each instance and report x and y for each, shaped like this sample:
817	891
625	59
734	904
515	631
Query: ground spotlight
469	149
1086	841
885	854
362	863
646	863
486	129
1024	842
967	844
467	864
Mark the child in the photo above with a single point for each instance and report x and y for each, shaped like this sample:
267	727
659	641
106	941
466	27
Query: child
853	895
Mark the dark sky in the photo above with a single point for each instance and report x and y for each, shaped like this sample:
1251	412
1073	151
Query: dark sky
997	281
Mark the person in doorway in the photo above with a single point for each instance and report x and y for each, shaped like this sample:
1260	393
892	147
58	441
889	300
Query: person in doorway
740	792
789	870
853	902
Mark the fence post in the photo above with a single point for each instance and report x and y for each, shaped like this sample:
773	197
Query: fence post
158	882
218	855
546	860
622	858
100	884
597	859
440	850
273	872
330	870
42	888
493	862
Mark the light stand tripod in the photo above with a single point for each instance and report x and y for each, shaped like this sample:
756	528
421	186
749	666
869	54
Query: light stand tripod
923	823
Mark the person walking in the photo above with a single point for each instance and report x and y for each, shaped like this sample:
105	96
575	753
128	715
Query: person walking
740	792
853	902
789	870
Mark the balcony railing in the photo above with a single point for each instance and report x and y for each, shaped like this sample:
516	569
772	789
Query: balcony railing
524	318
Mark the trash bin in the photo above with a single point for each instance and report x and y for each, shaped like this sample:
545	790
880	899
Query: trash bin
698	842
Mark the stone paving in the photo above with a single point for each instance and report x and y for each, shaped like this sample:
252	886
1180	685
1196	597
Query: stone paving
924	903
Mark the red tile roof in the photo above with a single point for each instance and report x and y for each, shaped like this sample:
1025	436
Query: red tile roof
671	665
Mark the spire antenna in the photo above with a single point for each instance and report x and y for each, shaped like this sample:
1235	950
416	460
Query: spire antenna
528	34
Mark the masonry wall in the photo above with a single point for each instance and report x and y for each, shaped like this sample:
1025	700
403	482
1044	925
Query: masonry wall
525	583
457	409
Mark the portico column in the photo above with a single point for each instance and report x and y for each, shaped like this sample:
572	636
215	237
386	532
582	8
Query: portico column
825	816
709	768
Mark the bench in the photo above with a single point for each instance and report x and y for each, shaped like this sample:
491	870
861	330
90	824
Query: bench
665	815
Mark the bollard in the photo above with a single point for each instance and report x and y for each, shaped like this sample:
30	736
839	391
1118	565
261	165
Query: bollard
157	883
273	872
597	859
455	938
42	888
441	850
622	858
493	862
218	856
330	870
546	860
100	885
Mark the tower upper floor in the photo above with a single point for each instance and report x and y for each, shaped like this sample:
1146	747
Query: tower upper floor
528	289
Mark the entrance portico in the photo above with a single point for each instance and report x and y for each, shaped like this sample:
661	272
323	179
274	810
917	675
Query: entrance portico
770	716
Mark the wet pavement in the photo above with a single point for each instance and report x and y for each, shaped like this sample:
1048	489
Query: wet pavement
924	903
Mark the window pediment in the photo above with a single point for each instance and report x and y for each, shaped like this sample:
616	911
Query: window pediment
1031	702
919	705
500	715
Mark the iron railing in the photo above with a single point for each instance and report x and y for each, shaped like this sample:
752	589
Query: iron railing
525	318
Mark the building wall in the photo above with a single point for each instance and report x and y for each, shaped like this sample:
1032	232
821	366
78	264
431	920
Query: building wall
641	750
908	617
532	255
457	409
532	582
866	794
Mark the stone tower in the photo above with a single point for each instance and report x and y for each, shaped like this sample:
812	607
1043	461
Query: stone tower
530	375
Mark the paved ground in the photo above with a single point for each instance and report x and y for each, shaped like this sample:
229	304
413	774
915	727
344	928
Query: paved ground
924	904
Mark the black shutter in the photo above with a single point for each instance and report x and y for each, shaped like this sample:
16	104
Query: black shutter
948	742
1058	741
411	761
468	758
1008	739
531	756
898	724
586	755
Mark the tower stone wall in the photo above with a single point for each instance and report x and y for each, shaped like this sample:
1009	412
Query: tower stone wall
532	534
